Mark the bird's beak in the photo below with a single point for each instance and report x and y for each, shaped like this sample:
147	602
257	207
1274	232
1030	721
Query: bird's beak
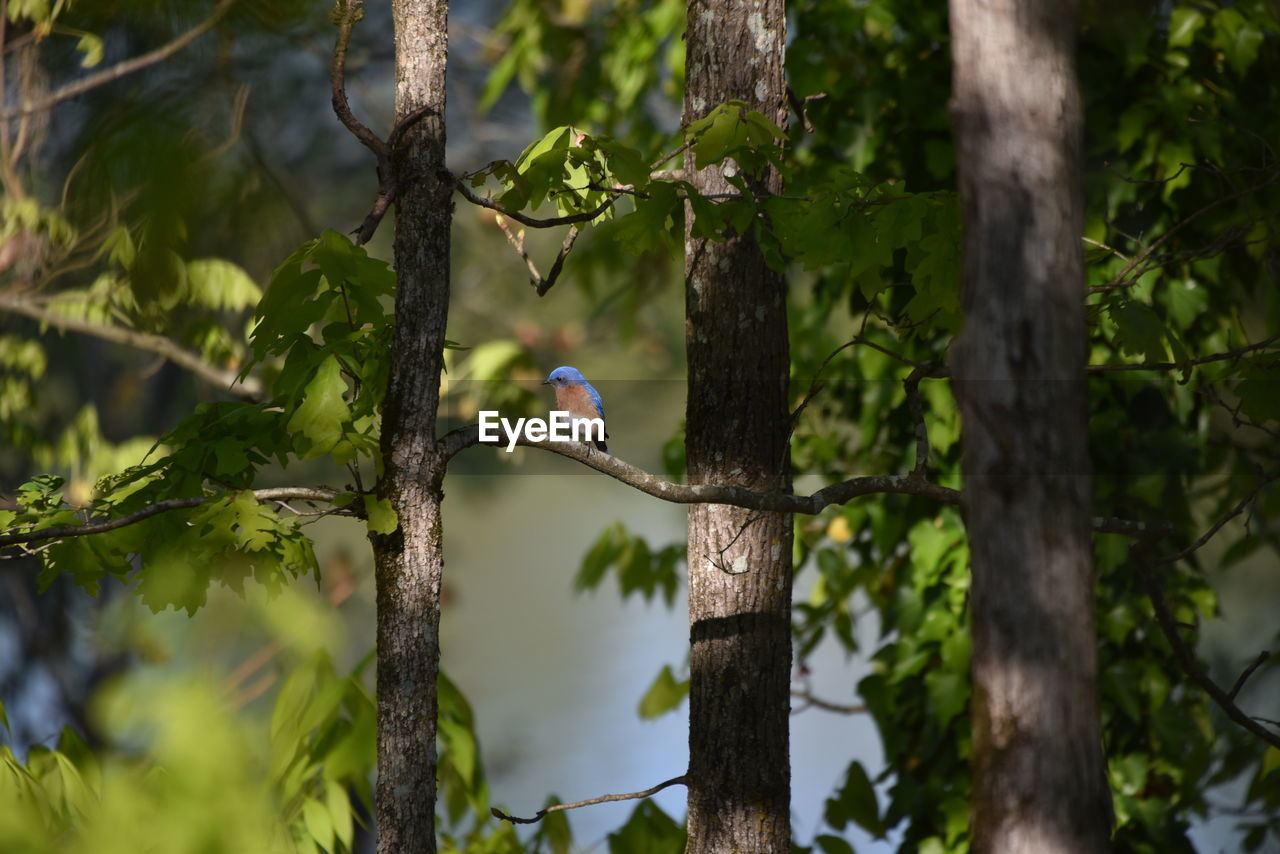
546	382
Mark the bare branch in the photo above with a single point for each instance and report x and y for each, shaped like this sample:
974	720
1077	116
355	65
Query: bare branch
827	705
703	493
124	68
1217	526
603	799
250	388
912	387
1101	245
534	222
346	14
1182	653
517	243
544	285
100	526
1248	671
1203	360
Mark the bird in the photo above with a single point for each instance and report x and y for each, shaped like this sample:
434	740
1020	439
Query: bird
577	397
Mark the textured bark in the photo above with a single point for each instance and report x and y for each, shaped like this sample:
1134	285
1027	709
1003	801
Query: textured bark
739	777
409	562
1018	366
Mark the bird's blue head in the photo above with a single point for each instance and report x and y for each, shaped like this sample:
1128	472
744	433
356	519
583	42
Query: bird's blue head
564	376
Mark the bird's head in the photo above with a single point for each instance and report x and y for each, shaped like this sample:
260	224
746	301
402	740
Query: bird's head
564	376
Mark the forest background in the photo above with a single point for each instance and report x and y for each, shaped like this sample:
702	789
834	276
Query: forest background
210	167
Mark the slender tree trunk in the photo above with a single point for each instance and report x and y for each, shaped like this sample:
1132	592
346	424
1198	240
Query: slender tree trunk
409	562
1038	774
739	776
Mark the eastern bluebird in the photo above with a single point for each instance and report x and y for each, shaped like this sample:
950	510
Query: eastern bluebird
576	396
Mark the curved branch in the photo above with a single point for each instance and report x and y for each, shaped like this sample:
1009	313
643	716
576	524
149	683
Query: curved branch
705	493
124	68
1184	656
603	799
810	701
346	13
100	526
1203	360
1218	525
250	388
534	222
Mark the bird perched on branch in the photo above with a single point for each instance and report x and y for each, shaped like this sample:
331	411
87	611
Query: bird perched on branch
577	397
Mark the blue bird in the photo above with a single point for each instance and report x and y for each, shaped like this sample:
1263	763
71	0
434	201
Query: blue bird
577	397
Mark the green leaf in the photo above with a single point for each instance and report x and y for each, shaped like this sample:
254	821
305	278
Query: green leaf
460	748
647	831
381	515
92	47
323	411
1139	330
220	284
1183	24
339	804
725	133
948	694
855	801
1259	393
832	844
1237	38
318	821
664	695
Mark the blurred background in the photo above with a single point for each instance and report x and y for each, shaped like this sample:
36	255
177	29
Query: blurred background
229	149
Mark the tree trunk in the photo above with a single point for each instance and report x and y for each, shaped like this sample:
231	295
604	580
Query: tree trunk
739	777
1018	365
409	562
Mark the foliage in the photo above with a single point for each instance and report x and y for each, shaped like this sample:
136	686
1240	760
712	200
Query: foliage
1182	188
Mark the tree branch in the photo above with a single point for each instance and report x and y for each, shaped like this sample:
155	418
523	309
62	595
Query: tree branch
1217	526
1248	671
533	222
819	703
778	502
100	526
1203	360
346	13
1183	655
250	388
124	68
603	799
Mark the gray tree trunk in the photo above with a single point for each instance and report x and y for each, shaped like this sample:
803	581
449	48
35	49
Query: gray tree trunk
409	562
1018	366
739	777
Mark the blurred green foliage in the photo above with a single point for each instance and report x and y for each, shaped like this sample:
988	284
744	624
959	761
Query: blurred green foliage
1182	253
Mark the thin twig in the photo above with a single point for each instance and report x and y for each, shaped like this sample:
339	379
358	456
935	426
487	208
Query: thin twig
818	702
603	799
1178	226
124	68
250	388
100	526
544	285
916	406
1101	245
1248	671
347	13
1218	525
1203	360
1182	653
534	222
704	493
517	243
